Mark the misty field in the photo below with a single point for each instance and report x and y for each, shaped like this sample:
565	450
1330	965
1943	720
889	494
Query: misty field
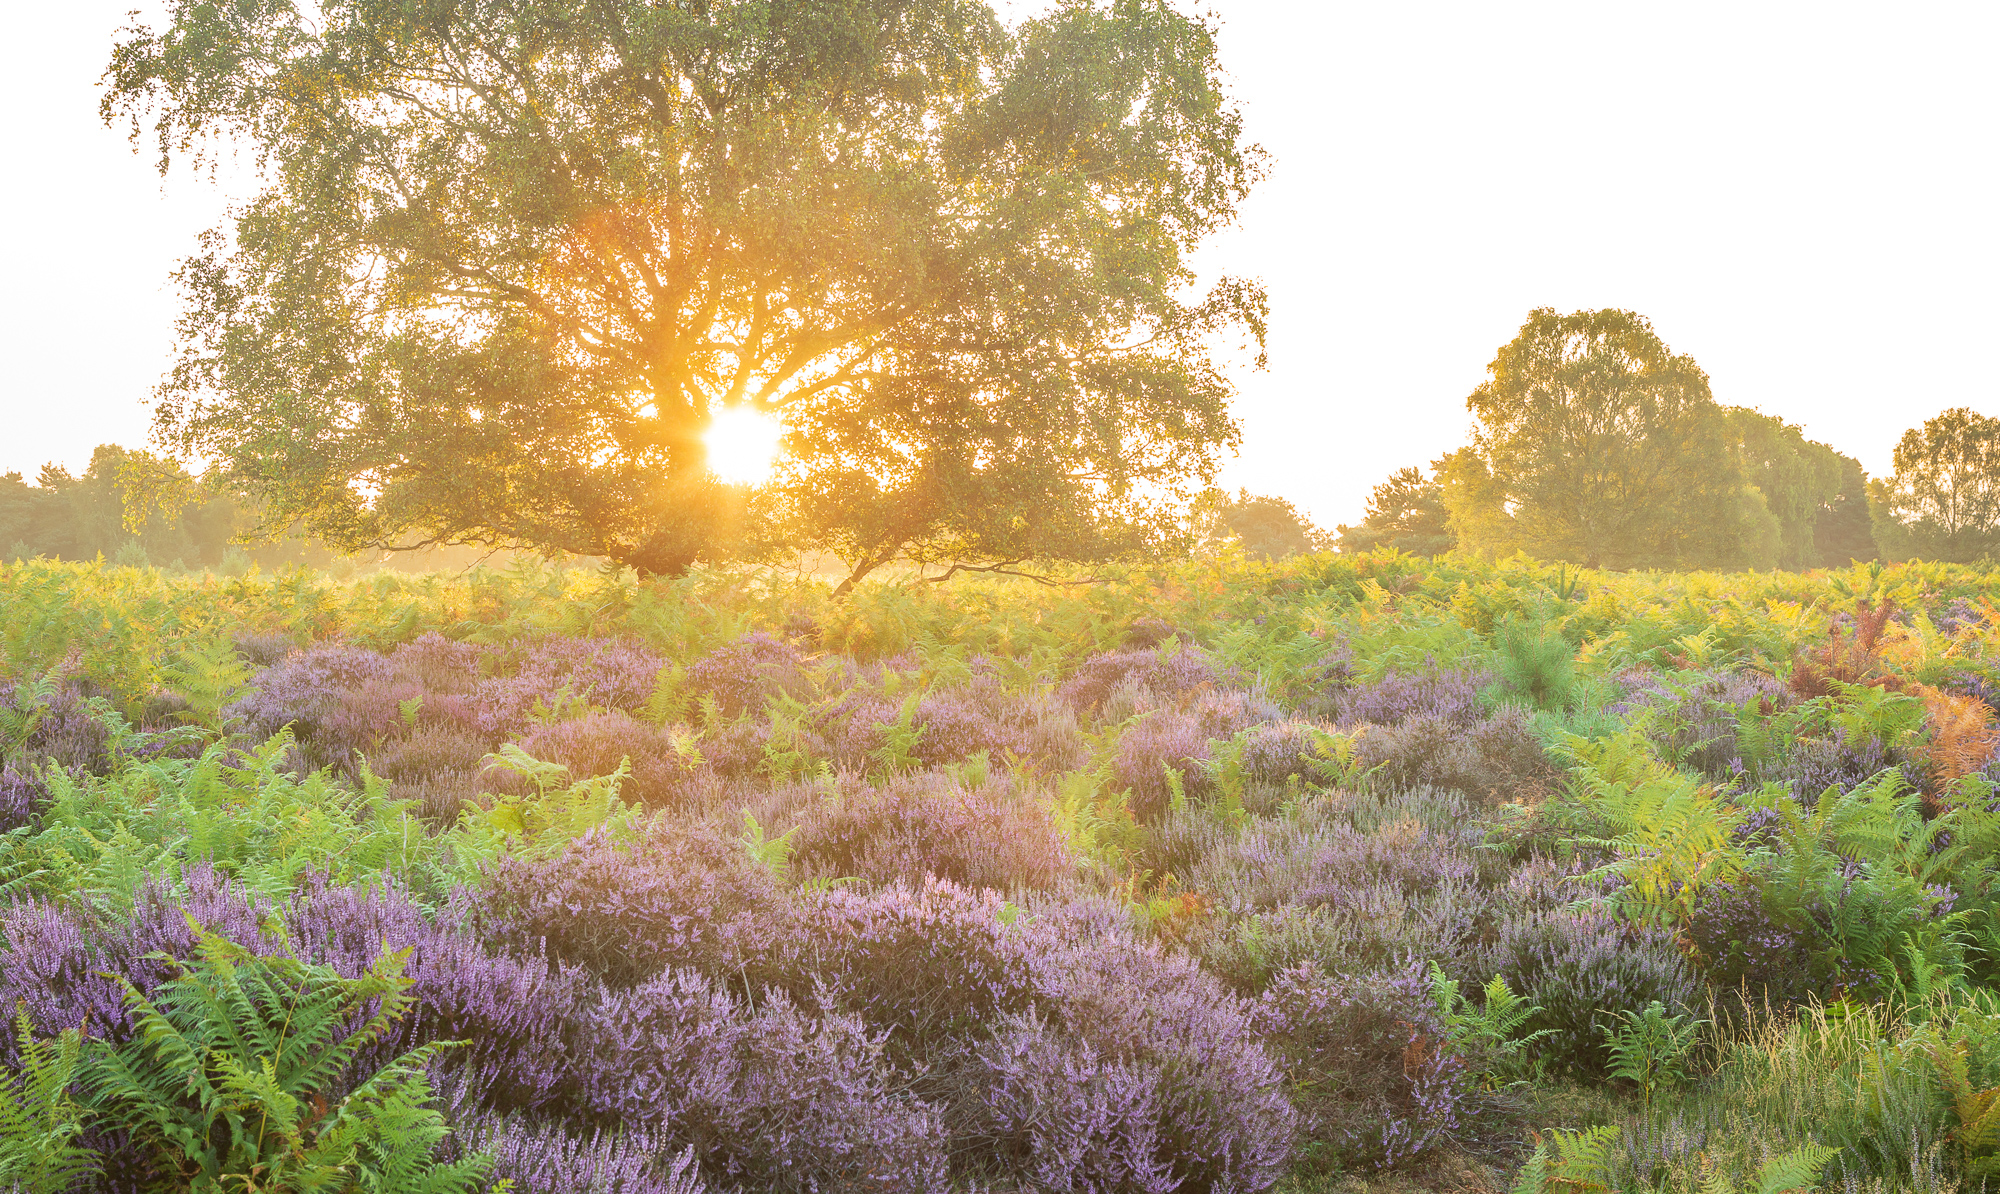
1323	874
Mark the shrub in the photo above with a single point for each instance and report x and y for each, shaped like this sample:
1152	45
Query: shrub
1338	898
1582	967
957	725
1160	674
1811	765
1737	943
678	896
1163	740
513	1012
438	664
543	1158
770	1097
1369	1063
307	691
606	673
915	827
1534	663
20	795
1447	697
1138	1074
263	650
663	771
46	722
926	963
65	962
1695	721
743	675
436	766
1494	760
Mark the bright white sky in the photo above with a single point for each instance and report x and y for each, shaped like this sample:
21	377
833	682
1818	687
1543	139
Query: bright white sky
1802	196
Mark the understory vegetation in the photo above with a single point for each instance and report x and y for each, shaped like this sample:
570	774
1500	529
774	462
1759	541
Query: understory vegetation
1328	873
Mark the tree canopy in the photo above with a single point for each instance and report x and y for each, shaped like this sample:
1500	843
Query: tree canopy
510	259
1601	446
1943	502
1269	528
1405	512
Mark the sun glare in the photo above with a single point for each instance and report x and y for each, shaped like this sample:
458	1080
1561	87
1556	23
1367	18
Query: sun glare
742	445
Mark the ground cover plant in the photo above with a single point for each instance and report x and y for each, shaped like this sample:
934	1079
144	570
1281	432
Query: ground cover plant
1320	873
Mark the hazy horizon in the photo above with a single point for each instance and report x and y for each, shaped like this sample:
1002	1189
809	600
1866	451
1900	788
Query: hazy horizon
1795	197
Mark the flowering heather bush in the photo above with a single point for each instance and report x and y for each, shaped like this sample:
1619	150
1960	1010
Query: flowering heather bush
20	795
1583	968
307	691
66	730
1333	896
596	743
680	896
1812	765
744	674
542	1158
959	724
609	673
1163	739
925	825
1448	696
923	963
55	958
770	1096
1142	669
514	1012
1369	1064
1277	862
1957	615
1492	760
1148	633
1738	943
1140	1073
438	664
1697	722
437	766
264	650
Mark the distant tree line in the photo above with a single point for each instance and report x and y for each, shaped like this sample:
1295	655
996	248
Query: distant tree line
1594	443
135	508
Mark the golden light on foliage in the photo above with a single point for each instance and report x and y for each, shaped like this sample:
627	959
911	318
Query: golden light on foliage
742	445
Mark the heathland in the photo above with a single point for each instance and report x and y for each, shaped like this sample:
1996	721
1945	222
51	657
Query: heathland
1226	875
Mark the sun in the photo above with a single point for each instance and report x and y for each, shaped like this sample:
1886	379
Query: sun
742	445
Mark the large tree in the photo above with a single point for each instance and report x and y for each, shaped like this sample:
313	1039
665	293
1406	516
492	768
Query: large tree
1595	443
1944	501
510	257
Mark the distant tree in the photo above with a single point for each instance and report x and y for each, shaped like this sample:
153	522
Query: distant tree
511	259
1844	533
1406	512
1802	483
1596	444
1943	502
1269	528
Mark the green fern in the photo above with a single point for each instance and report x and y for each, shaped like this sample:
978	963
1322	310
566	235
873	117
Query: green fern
772	853
1977	1111
39	1121
1569	1162
1486	1030
1651	1048
209	677
899	739
228	1076
1795	1172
